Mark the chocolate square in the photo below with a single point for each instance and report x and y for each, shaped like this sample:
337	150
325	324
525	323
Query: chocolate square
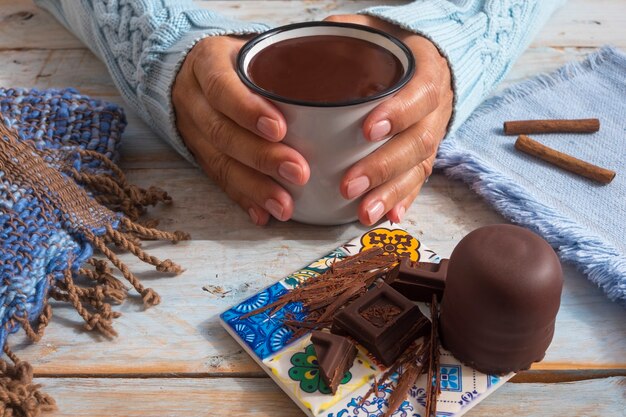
384	321
418	281
335	356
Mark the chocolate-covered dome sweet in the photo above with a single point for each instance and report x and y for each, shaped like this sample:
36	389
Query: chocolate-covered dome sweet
503	291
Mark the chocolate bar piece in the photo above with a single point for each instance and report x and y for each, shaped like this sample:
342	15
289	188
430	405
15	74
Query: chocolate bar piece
335	356
384	321
418	281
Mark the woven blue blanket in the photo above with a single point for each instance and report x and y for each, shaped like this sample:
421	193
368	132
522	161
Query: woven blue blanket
584	221
61	199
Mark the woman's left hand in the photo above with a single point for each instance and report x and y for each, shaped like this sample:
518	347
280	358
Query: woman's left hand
390	178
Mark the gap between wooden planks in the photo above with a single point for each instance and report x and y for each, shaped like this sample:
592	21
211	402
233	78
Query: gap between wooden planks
531	376
244	397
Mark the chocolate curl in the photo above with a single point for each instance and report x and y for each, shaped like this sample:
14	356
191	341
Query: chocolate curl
325	294
412	356
406	381
340	301
433	389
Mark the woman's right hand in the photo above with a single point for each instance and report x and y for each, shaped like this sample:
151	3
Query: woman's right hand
234	134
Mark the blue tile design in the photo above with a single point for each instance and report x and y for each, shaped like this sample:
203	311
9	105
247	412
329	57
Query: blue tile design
373	407
468	397
315	268
419	394
264	333
492	380
450	378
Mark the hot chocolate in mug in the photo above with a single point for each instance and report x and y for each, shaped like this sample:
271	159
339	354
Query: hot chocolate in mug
325	78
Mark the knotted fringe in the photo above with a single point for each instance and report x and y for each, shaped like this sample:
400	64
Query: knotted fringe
114	191
19	397
98	288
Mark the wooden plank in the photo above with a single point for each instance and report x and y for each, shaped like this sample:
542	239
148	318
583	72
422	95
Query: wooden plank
23	25
580	23
261	397
182	334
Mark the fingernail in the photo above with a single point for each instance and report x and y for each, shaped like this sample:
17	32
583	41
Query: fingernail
269	127
275	208
401	210
375	211
253	216
290	171
357	186
380	130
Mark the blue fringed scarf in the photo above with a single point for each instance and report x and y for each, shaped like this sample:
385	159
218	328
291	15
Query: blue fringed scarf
61	198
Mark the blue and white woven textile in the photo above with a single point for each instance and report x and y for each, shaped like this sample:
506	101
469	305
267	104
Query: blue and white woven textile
61	199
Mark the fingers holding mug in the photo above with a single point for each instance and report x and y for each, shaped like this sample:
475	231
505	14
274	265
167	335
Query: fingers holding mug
257	194
226	93
400	154
395	196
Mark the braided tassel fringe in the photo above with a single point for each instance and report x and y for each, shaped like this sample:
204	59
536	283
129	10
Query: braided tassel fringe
91	288
19	396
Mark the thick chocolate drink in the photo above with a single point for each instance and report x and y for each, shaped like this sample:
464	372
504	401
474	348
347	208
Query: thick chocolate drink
325	69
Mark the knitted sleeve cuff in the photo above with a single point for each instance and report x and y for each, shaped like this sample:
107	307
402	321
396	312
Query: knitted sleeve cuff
480	39
143	44
157	92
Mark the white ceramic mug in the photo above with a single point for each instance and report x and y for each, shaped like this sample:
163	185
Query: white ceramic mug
329	136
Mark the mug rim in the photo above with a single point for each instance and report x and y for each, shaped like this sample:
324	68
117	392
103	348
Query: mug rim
245	49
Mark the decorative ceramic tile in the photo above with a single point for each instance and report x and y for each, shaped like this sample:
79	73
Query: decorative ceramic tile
393	240
263	333
295	368
315	268
293	365
461	390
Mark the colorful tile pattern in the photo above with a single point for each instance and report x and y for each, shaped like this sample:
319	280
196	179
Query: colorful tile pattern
263	333
394	240
293	366
470	388
315	268
297	371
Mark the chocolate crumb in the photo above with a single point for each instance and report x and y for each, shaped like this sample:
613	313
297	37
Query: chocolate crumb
380	313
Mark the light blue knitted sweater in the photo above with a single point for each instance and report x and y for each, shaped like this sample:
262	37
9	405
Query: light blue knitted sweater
143	43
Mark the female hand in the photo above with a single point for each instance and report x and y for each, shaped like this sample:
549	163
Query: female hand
418	115
234	134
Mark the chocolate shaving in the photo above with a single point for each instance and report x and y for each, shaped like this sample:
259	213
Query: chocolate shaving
412	354
295	324
406	381
339	302
323	295
414	362
433	362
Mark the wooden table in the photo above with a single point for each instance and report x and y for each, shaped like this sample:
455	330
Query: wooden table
175	359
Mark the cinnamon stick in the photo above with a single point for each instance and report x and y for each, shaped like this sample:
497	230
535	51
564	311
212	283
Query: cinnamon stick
518	127
564	161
